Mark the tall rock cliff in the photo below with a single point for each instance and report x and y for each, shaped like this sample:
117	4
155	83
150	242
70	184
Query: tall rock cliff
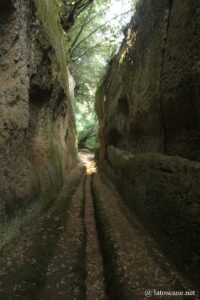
37	127
151	90
148	109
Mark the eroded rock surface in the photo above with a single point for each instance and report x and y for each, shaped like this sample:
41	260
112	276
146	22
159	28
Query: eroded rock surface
148	111
149	99
37	123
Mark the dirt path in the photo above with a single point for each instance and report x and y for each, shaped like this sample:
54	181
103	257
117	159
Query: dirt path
65	272
88	245
134	263
95	280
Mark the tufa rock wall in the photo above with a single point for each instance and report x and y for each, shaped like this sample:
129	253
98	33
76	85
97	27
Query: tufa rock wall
148	110
37	127
163	191
149	98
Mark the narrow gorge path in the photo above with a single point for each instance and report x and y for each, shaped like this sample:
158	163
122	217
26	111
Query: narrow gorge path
88	245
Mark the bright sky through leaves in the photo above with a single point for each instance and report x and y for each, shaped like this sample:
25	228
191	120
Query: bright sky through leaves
111	17
118	7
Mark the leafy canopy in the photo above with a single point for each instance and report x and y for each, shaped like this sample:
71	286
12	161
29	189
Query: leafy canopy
94	38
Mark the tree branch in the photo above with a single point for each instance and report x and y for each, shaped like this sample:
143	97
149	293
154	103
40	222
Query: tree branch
80	56
95	30
75	9
82	28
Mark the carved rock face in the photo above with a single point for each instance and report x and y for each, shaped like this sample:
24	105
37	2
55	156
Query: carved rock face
34	106
148	109
155	79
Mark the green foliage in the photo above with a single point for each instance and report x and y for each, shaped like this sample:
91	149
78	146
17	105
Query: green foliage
86	123
90	43
95	38
93	143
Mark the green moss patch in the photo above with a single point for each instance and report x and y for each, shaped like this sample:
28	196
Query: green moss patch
49	14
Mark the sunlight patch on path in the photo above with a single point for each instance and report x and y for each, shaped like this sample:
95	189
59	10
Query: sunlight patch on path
87	158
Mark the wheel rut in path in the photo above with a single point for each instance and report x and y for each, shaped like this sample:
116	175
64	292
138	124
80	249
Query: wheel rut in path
59	256
76	271
26	262
87	246
66	270
95	280
134	264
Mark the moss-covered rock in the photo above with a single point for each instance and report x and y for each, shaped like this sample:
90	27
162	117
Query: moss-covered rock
37	134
